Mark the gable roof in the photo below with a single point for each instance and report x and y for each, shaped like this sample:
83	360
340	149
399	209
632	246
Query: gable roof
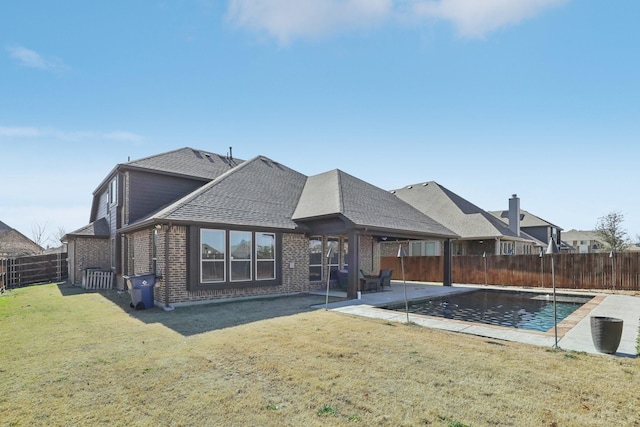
526	219
4	228
187	162
455	212
258	192
14	243
336	193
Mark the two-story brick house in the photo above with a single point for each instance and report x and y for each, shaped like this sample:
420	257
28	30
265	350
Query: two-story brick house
211	227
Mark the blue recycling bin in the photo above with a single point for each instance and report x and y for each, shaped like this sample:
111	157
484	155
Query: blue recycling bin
141	290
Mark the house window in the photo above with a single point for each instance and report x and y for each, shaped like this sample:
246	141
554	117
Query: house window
415	249
240	250
315	259
212	256
265	256
113	192
345	253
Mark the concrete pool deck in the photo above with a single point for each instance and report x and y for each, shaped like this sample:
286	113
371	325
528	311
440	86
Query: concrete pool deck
574	332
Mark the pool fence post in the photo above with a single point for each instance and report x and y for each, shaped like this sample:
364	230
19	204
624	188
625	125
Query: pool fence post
613	271
551	250
542	266
326	303
484	255
401	255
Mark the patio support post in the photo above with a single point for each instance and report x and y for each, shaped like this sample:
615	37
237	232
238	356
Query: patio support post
446	280
354	265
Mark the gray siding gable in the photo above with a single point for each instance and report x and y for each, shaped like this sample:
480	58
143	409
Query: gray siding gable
258	193
453	211
149	192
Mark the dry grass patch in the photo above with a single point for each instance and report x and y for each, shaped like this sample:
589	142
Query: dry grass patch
73	358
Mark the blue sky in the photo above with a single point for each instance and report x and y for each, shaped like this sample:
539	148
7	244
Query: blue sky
488	98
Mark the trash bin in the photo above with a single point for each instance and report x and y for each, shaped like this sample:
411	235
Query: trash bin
141	290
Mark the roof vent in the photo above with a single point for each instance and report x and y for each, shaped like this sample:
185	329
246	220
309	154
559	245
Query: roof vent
425	184
393	191
409	187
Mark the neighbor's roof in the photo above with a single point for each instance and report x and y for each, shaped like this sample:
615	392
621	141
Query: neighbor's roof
454	212
4	228
259	192
571	235
187	162
526	219
338	193
97	229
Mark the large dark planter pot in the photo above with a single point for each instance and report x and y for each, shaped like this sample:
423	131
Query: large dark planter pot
606	333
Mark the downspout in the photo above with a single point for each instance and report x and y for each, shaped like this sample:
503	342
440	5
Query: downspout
167	307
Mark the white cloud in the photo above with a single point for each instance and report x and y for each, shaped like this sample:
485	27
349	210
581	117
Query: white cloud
32	59
34	132
476	18
286	20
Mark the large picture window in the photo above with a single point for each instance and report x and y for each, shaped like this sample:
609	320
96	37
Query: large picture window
233	258
212	256
241	244
265	256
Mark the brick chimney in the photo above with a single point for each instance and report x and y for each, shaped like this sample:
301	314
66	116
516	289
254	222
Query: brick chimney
514	214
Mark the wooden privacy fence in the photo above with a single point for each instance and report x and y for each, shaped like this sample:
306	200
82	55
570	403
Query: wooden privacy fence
22	271
572	271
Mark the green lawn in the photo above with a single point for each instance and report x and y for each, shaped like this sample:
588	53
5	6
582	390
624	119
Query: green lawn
73	358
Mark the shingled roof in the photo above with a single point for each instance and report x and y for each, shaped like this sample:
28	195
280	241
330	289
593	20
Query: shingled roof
97	229
264	193
338	193
259	192
526	219
454	212
188	162
4	228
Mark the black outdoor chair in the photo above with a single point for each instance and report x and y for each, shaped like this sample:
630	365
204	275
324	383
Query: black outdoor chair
385	278
370	283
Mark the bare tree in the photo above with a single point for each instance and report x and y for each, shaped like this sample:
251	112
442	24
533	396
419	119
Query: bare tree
37	233
611	233
56	237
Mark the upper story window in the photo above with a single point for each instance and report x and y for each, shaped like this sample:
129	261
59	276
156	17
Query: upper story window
113	192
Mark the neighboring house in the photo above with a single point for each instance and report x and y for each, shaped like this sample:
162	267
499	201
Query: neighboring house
213	227
532	225
583	241
15	244
480	232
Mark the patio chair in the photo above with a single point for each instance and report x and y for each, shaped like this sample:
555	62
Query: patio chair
385	278
369	283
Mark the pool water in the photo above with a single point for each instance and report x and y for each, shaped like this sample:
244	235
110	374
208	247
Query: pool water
521	310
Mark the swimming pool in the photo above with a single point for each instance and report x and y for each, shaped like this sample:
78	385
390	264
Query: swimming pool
514	309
